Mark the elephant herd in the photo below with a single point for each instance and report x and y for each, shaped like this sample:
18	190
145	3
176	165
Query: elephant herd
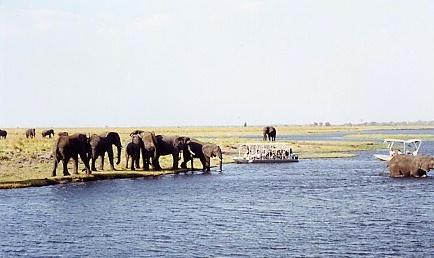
147	145
30	133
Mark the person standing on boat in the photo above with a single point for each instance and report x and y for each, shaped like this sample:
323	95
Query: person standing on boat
258	155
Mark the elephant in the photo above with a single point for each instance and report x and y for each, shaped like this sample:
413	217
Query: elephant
100	144
137	132
269	131
49	133
3	134
67	147
30	133
149	150
63	134
404	165
133	149
168	145
204	151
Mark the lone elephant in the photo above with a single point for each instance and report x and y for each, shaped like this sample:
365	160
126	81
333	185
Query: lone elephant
100	144
3	134
168	145
49	133
204	151
30	133
133	148
269	132
67	147
404	165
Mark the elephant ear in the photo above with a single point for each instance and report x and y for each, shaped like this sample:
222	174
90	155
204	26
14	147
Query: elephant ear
187	140
207	150
178	141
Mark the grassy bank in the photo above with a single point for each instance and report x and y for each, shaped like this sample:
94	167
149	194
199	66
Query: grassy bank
27	162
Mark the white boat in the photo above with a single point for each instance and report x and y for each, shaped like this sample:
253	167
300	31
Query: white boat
265	153
398	146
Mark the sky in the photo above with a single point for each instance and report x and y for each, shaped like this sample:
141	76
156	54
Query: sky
214	63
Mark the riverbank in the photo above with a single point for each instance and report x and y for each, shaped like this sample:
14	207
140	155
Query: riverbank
27	162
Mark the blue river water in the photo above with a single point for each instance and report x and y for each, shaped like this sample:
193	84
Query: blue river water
314	208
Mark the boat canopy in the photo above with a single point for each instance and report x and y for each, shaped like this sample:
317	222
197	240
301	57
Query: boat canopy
402	141
410	146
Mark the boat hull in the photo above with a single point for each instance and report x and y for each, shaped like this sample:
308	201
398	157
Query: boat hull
383	157
263	161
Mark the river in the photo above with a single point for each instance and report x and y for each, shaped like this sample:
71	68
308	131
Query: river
314	208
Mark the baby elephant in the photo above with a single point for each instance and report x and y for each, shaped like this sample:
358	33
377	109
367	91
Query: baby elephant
408	165
133	150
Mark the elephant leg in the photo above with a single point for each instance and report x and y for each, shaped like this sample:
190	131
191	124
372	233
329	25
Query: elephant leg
175	161
65	167
146	162
137	159
110	156
132	163
206	164
203	161
127	158
55	167
75	165
156	163
415	173
93	163
84	158
101	167
192	161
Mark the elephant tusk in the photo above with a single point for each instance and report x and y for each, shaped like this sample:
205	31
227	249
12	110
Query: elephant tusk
220	159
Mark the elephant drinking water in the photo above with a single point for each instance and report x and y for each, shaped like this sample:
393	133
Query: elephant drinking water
204	151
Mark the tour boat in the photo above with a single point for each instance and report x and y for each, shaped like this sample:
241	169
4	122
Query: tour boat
397	146
265	153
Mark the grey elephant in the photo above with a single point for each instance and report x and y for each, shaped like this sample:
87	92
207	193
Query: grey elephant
30	133
133	149
100	144
63	133
149	151
168	145
49	133
404	165
3	134
67	147
204	151
269	132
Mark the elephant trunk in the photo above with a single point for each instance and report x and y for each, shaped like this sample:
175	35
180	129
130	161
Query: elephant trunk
220	157
119	146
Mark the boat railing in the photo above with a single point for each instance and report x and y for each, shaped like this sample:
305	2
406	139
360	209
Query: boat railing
266	152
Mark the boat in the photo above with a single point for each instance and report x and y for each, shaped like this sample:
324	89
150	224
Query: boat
398	146
265	153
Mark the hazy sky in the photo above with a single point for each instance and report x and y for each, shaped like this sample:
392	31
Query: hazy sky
157	63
